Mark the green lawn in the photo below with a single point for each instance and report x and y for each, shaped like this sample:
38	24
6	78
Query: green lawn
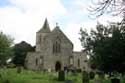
34	77
38	77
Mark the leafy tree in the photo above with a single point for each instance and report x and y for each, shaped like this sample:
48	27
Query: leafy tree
106	46
100	7
20	52
5	47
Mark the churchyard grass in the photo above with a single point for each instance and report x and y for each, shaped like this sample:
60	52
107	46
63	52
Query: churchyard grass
27	76
11	76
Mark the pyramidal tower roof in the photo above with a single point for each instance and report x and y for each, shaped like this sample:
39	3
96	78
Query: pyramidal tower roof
45	28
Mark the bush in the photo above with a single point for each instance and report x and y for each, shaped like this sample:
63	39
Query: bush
79	70
11	65
6	81
61	76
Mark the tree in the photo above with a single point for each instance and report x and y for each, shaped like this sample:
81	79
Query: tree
106	46
113	7
5	47
20	52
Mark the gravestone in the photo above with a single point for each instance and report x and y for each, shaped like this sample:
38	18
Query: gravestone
85	77
123	77
101	75
97	81
68	81
92	75
115	80
19	69
6	81
61	76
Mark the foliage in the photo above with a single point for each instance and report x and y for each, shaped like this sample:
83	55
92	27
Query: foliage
79	70
20	52
5	47
106	46
113	7
10	65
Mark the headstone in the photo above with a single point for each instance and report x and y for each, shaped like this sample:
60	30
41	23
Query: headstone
115	80
19	69
123	77
97	81
6	81
92	75
44	70
49	70
61	76
101	75
85	77
68	81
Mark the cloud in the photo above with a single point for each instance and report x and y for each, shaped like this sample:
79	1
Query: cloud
72	31
23	18
80	6
73	28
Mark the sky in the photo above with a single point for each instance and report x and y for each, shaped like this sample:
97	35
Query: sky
21	19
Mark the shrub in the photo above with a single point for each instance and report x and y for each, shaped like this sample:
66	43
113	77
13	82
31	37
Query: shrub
6	81
11	65
79	70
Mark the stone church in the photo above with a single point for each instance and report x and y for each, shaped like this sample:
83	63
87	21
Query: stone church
54	51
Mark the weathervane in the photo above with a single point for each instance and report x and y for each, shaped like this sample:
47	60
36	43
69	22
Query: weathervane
56	24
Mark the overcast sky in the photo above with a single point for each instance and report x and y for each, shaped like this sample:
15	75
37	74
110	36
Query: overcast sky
23	18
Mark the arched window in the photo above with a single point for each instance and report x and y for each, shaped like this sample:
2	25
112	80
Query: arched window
36	61
41	60
56	47
71	60
78	62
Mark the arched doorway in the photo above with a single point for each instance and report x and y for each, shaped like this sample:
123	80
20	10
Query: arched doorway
58	66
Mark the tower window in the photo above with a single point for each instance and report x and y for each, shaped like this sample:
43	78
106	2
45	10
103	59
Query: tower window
56	47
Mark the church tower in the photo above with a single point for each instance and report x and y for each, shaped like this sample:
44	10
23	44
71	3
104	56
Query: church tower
41	34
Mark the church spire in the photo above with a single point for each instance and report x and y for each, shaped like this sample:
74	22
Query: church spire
45	28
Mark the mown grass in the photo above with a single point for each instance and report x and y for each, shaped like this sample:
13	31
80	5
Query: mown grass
27	76
39	77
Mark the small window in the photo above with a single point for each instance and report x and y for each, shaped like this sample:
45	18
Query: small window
71	60
41	60
78	62
36	62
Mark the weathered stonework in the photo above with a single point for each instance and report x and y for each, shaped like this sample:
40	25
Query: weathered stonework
54	51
